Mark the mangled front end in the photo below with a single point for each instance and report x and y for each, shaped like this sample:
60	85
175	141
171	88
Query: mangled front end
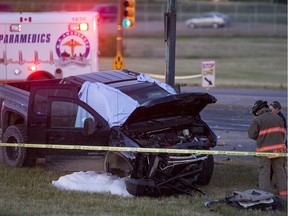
172	122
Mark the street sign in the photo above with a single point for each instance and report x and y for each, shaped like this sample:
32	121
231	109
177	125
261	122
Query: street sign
208	74
118	63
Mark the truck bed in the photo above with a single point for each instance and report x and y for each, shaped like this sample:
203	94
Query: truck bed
19	92
13	94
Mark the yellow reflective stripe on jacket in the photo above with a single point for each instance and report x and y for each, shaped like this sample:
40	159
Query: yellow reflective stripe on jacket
272	130
276	148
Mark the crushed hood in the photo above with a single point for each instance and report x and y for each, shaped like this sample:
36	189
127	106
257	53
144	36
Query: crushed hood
173	105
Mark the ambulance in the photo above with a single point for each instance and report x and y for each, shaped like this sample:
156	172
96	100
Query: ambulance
47	45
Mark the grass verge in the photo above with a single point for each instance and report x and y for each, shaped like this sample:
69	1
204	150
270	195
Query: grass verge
241	62
28	191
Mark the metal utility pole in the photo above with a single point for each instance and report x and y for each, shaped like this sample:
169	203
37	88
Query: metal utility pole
118	63
170	39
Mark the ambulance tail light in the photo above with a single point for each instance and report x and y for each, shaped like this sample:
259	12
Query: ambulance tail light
32	68
78	27
15	27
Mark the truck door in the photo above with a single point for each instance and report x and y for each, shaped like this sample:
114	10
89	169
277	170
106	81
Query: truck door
65	123
56	116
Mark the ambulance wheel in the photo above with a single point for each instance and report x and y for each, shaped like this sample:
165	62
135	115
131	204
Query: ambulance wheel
207	171
16	156
40	77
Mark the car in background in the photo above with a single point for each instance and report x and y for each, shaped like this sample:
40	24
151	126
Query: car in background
107	12
209	19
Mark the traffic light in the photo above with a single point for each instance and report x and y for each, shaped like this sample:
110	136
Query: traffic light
129	12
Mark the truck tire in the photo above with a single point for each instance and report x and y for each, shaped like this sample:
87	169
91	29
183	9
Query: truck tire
16	156
116	165
207	171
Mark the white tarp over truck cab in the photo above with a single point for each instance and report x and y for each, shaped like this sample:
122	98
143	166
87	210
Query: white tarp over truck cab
46	42
112	104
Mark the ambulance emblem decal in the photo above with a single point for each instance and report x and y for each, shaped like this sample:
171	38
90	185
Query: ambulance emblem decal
72	48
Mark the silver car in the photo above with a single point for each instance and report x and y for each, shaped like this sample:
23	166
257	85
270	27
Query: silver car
209	19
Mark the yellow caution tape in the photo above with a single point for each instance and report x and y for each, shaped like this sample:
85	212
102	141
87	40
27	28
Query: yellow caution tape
157	76
148	150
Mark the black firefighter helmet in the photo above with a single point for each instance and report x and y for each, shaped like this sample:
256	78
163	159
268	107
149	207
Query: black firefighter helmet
257	106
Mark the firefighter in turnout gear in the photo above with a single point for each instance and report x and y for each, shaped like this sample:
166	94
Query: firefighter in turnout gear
268	130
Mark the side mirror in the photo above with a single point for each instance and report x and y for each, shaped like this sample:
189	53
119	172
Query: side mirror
89	127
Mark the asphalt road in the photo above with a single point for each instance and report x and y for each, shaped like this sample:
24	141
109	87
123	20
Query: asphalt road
232	111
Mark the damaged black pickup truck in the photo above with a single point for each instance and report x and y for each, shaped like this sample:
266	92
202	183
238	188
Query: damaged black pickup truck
112	108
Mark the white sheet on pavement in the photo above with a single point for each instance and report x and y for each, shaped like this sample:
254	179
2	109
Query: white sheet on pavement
91	181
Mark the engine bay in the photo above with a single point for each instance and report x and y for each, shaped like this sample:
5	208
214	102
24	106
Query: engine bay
180	132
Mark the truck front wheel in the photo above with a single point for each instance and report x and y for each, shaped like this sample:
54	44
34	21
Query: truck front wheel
16	156
116	165
207	171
